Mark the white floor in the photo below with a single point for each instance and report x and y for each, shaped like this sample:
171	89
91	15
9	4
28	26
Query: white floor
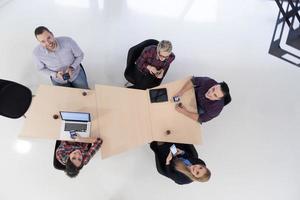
251	148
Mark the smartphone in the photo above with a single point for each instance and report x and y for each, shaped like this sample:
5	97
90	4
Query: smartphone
73	134
66	76
173	149
176	98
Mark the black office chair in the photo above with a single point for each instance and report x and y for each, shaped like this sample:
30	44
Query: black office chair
189	148
133	54
15	99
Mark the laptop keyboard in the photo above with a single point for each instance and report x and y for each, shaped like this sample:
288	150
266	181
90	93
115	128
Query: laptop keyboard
75	127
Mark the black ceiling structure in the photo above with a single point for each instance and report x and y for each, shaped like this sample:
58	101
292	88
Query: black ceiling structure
288	20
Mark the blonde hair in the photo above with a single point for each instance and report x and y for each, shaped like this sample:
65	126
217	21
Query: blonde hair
165	46
181	167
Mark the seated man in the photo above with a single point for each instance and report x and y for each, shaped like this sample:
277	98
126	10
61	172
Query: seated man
211	97
74	155
60	58
153	64
183	167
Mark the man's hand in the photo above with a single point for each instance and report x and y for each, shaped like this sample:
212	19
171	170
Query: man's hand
160	73
180	108
152	70
169	158
59	75
70	70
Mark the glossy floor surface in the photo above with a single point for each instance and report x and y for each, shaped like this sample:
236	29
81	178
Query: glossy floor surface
252	148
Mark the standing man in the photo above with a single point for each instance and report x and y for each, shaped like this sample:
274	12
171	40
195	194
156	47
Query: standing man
153	64
60	58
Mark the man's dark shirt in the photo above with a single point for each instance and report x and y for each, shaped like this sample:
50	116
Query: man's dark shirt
207	109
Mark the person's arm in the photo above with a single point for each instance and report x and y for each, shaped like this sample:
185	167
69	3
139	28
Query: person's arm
187	86
79	138
169	61
94	148
195	116
174	175
179	152
160	73
42	67
182	109
78	54
60	152
189	151
168	167
169	158
142	61
206	116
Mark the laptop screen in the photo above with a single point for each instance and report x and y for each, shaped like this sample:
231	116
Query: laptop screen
75	116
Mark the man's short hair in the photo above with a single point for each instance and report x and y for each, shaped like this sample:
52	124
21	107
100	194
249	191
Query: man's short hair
225	90
165	45
39	30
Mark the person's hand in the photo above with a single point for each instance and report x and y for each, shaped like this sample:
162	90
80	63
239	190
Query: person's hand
77	137
152	70
59	75
160	74
169	158
99	139
180	108
179	152
70	71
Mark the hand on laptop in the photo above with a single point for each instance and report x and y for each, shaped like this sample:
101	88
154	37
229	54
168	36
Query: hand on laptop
77	137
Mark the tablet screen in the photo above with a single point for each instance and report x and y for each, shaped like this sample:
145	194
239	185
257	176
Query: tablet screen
158	95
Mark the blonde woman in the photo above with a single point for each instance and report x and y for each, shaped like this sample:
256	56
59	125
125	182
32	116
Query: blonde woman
184	167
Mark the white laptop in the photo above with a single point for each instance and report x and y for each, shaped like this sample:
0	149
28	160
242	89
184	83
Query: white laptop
79	122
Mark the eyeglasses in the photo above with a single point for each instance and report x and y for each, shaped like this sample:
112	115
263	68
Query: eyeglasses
162	56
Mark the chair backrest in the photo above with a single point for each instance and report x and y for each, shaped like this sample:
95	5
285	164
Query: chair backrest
133	54
56	163
15	99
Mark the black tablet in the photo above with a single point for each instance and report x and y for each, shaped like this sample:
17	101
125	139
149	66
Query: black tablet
158	95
